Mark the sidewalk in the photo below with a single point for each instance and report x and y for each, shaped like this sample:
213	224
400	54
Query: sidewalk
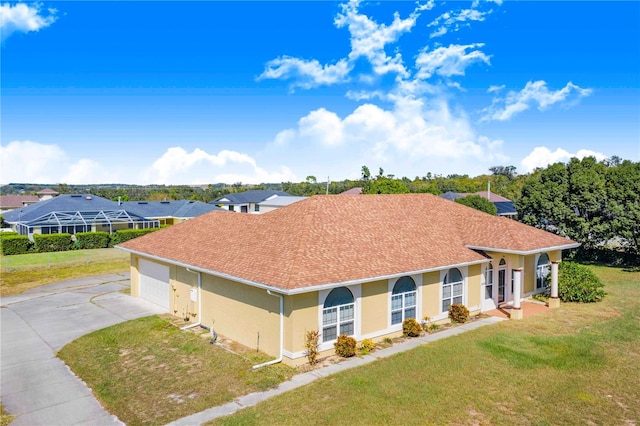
308	377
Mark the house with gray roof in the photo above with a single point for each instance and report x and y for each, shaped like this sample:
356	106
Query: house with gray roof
505	206
72	213
247	201
169	212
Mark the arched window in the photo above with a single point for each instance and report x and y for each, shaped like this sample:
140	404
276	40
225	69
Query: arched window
488	281
403	300
451	289
337	314
543	268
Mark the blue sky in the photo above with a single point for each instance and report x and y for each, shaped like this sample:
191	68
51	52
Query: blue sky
210	91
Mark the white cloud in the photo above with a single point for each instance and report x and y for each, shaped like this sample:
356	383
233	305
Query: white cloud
451	21
307	74
495	89
542	156
449	61
33	162
409	136
368	40
24	18
177	166
534	93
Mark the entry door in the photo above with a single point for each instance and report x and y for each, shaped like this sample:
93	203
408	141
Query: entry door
502	281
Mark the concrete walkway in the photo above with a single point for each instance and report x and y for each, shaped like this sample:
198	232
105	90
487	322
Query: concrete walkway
35	385
306	378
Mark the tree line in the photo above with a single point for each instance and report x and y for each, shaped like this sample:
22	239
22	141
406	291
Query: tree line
596	203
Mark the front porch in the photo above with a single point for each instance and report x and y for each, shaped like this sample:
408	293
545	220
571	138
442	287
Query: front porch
526	309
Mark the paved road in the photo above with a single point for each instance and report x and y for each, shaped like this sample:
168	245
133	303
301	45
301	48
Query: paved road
34	384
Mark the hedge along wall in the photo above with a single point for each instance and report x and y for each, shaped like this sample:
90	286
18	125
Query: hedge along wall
128	234
92	240
15	244
52	242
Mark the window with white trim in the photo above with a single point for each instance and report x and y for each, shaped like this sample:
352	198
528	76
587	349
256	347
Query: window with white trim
403	300
543	268
488	289
338	314
452	289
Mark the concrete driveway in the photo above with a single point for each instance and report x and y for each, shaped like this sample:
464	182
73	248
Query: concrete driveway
34	384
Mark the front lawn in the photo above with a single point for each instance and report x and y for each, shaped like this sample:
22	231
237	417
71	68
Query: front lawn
579	364
147	371
25	271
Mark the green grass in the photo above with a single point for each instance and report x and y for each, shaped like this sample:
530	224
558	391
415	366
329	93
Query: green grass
5	418
25	271
579	364
147	371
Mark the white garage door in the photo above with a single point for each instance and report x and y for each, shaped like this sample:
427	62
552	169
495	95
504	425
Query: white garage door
154	282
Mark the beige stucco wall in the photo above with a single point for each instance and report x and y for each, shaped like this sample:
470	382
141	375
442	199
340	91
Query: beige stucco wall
301	315
135	283
529	275
473	287
374	306
431	303
241	312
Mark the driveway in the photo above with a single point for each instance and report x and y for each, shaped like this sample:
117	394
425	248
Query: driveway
34	384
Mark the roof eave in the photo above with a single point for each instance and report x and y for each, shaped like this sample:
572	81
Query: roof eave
299	290
525	252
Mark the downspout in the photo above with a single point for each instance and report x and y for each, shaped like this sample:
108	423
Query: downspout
279	359
199	301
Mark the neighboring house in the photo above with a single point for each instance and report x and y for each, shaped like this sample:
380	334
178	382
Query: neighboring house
169	212
273	203
72	213
12	202
247	201
341	265
353	191
46	194
504	205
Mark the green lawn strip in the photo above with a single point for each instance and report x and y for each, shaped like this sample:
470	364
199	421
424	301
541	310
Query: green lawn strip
579	364
5	418
147	371
21	262
36	269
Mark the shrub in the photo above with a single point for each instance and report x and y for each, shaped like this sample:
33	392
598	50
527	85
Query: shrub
311	346
345	346
123	235
45	243
366	346
576	283
92	240
424	323
458	313
433	326
15	244
411	328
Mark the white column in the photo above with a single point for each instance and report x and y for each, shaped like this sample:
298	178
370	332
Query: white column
554	280
517	290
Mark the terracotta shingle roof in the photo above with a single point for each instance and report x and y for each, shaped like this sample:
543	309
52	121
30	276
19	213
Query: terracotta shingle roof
17	201
340	238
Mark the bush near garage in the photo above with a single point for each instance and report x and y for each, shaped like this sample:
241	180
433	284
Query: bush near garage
15	244
45	243
92	240
123	235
